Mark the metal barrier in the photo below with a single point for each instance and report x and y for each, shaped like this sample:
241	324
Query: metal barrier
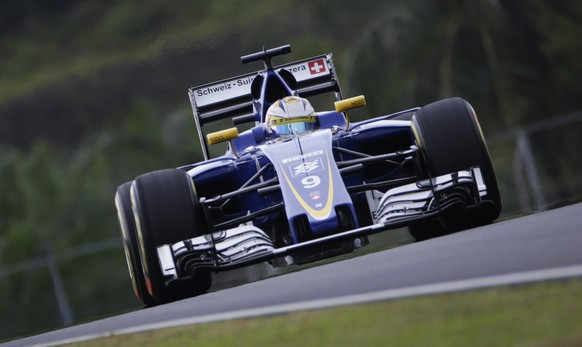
546	170
58	282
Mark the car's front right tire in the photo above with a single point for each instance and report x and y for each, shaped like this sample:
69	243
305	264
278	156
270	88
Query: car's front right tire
450	139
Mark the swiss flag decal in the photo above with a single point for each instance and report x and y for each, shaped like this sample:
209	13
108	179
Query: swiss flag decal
317	66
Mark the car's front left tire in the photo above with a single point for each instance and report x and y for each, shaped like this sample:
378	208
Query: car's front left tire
166	211
130	244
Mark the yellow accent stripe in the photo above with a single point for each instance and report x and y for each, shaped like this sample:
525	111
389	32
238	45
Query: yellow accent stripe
415	132
221	136
417	138
349	104
296	119
317	214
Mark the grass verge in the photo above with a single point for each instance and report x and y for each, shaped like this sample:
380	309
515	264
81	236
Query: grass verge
541	314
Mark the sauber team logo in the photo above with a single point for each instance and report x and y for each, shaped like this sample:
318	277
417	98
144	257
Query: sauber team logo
317	66
306	167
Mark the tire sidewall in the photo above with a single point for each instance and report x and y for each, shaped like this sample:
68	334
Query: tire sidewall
130	244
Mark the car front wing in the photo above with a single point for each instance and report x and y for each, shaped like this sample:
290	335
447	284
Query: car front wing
398	207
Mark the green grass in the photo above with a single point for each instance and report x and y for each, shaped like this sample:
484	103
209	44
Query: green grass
542	314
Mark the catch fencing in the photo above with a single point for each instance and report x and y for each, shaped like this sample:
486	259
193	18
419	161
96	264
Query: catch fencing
538	165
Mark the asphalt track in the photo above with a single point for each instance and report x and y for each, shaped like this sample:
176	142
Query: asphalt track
546	245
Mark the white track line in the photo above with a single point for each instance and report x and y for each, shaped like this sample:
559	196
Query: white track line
391	294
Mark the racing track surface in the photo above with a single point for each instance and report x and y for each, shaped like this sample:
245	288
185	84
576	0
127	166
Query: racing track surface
546	240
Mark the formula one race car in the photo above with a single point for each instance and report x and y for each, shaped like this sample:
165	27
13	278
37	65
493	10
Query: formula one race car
299	185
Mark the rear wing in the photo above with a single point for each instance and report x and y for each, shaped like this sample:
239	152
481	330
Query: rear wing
231	98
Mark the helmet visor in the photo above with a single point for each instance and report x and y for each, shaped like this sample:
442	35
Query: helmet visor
294	128
293	125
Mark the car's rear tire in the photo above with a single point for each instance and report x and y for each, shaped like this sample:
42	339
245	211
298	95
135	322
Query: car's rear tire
450	139
130	244
166	210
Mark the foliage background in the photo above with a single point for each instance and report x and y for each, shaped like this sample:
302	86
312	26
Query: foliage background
93	94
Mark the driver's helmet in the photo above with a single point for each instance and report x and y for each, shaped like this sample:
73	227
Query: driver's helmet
291	115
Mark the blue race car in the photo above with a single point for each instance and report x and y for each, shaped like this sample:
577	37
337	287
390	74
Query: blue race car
298	185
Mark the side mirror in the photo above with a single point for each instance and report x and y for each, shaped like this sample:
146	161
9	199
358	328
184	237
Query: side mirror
221	136
350	104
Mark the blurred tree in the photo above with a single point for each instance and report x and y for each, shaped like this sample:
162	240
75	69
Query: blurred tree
559	26
31	221
17	14
493	53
